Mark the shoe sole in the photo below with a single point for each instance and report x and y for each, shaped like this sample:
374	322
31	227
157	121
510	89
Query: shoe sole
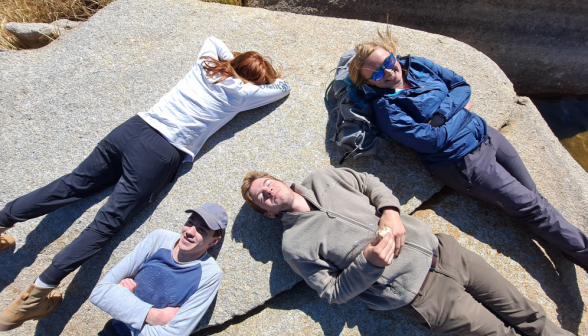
5	327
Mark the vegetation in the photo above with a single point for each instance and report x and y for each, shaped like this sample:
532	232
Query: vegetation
48	11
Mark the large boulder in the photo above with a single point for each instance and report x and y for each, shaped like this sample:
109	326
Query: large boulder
58	102
540	45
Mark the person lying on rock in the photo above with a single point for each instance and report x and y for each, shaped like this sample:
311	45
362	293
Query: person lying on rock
139	157
427	108
335	237
166	284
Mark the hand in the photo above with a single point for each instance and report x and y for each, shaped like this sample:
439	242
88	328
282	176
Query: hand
391	217
161	316
468	106
129	284
380	252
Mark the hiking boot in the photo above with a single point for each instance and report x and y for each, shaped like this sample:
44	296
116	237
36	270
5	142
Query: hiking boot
32	304
6	241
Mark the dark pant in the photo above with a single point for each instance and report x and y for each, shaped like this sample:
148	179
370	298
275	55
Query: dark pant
134	157
495	173
466	296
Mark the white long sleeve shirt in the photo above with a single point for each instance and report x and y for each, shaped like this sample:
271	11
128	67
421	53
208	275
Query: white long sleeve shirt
195	108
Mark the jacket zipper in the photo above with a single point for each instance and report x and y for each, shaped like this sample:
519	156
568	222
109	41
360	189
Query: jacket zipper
356	223
418	248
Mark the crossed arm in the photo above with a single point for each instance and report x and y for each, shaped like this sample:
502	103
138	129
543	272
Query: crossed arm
114	294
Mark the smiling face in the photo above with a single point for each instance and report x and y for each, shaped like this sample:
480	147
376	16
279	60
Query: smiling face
392	77
195	239
272	196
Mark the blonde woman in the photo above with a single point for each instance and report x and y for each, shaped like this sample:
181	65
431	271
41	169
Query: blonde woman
427	108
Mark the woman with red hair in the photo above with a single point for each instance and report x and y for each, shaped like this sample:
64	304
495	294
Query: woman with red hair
139	157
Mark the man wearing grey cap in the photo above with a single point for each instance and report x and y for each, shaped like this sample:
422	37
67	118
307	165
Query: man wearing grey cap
165	285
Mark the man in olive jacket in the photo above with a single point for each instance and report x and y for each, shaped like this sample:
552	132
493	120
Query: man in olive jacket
330	238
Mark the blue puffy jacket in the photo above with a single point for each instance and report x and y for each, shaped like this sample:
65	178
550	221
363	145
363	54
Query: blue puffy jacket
403	115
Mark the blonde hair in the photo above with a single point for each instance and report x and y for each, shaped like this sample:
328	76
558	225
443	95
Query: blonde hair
247	181
364	50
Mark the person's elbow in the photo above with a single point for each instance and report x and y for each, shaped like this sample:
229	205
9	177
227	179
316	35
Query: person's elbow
334	294
96	296
434	141
333	298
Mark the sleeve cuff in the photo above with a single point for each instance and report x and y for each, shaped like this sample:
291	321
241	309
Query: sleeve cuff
366	267
390	204
142	311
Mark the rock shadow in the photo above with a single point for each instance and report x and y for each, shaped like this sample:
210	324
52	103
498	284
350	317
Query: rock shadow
89	273
241	121
334	318
262	237
78	291
46	232
510	237
566	117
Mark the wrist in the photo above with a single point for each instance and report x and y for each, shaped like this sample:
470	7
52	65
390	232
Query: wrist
389	210
152	317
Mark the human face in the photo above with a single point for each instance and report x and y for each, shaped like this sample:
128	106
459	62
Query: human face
392	76
196	238
272	196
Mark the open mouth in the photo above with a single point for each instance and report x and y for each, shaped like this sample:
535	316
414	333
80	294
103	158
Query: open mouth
391	77
189	240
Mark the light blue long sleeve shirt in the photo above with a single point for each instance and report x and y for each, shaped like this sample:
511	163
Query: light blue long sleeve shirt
152	260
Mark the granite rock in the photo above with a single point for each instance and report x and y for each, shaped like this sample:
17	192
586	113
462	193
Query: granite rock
300	311
537	269
58	102
534	267
540	45
37	35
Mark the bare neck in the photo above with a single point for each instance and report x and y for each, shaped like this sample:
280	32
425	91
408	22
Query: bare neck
299	204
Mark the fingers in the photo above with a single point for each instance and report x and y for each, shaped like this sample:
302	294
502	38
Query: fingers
128	284
385	249
390	250
399	244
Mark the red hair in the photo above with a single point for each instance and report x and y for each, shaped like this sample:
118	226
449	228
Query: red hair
250	67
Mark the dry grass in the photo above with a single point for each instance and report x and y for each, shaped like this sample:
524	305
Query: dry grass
48	11
229	2
45	11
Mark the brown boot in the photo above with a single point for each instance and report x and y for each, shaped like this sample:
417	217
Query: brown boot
6	242
32	304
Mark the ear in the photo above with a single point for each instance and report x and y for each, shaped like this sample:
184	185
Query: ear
215	241
270	215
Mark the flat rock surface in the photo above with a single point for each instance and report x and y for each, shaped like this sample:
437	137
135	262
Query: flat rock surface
300	311
537	270
58	102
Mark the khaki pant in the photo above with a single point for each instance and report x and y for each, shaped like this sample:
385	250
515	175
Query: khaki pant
466	296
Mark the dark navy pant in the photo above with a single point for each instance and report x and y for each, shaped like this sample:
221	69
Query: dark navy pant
133	157
495	173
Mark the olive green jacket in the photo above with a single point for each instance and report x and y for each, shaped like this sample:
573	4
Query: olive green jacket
325	246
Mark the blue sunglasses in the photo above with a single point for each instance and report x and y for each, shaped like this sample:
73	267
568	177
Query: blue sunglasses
389	62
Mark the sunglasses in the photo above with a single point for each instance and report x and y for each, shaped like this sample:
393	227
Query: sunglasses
389	62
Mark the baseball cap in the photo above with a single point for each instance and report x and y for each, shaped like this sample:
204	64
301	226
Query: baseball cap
213	214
